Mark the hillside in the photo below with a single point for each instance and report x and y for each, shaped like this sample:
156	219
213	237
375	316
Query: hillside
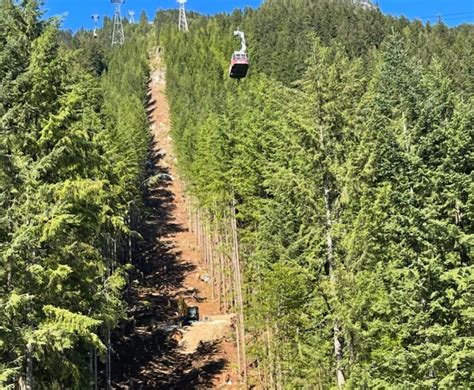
319	212
346	152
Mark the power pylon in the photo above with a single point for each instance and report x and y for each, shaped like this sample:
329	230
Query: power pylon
118	36
96	18
183	21
131	17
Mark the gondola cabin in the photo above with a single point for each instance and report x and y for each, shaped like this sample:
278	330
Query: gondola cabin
239	65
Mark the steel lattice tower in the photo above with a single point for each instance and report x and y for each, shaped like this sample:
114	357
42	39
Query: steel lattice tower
118	36
131	17
183	21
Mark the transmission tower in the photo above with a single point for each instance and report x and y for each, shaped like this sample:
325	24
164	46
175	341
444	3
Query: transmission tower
183	21
131	17
95	18
118	36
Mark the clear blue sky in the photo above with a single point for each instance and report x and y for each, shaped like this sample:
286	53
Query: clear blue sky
77	12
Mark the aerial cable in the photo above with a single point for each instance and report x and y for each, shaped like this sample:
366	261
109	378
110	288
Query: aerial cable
444	15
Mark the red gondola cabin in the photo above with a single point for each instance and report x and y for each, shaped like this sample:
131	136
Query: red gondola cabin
239	65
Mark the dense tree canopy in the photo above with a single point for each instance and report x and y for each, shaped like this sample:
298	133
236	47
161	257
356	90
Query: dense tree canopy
72	151
347	151
346	157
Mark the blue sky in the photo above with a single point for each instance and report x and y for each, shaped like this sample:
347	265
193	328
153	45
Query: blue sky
77	12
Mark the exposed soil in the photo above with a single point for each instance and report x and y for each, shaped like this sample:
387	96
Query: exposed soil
150	350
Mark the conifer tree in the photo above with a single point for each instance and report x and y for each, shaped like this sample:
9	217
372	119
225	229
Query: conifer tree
339	182
341	167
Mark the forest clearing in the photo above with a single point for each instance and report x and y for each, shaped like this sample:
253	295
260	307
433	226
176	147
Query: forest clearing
201	354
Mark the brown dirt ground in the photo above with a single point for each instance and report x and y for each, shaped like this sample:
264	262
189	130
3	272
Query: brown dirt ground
218	327
148	352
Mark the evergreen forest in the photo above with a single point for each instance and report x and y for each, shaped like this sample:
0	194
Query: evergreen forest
343	162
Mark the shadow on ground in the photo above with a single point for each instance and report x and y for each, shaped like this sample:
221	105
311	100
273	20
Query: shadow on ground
145	353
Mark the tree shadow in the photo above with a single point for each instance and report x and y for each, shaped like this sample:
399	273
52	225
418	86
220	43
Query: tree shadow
145	350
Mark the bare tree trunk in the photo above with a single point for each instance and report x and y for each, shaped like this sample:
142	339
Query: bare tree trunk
189	213
237	334
114	252
194	216
211	255
198	227
330	256
278	351
95	369
28	382
270	355
338	351
205	247
108	365
222	292
130	242
22	383
261	377
203	242
91	368
9	276
239	295
228	279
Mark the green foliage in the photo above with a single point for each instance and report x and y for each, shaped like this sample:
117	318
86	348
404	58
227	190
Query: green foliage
347	150
70	164
348	154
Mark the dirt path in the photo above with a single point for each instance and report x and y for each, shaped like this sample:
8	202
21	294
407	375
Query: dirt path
150	350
